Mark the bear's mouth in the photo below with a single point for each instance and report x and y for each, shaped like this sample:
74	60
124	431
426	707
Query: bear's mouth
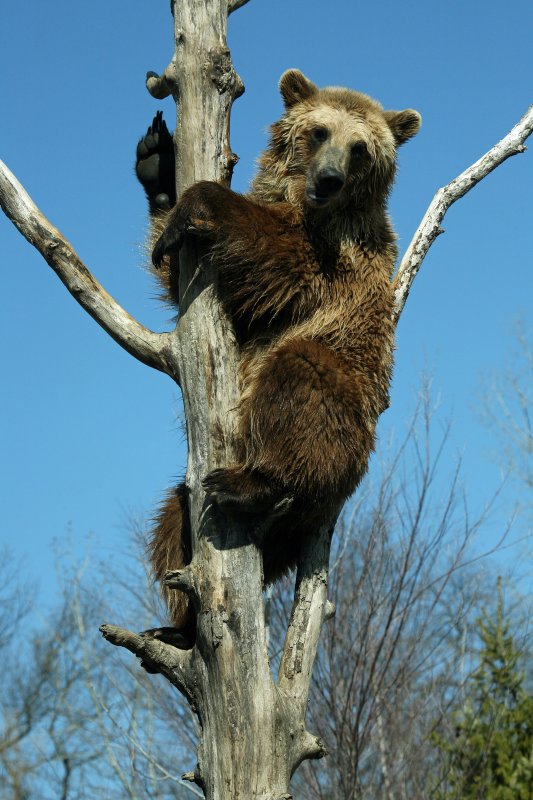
326	186
318	199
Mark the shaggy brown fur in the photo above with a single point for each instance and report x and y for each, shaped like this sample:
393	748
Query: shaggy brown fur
305	263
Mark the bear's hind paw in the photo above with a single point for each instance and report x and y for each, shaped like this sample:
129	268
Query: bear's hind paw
241	489
173	636
221	486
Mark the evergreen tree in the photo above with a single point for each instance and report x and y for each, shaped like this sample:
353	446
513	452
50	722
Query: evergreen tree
491	755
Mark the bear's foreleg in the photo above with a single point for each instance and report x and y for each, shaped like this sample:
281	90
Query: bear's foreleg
264	260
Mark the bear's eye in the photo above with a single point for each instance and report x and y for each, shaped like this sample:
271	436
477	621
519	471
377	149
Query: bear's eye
319	135
358	149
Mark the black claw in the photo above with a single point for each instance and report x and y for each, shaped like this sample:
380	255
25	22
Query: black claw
158	254
165	134
171	239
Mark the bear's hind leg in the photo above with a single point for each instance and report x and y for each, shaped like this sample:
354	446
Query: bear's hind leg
170	548
308	430
311	427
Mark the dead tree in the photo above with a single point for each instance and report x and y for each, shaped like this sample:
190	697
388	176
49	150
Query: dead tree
253	734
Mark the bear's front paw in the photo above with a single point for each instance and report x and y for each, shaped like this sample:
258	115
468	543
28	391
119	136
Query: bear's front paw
155	164
171	239
192	215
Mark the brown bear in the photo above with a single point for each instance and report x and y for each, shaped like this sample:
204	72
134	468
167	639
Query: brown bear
304	264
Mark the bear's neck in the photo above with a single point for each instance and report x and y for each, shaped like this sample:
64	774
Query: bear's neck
362	220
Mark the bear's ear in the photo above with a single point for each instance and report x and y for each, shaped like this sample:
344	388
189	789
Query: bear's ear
295	87
403	124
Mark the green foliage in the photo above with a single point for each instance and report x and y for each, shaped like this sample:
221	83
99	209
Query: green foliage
491	755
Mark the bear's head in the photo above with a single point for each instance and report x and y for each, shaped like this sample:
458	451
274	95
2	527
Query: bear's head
332	148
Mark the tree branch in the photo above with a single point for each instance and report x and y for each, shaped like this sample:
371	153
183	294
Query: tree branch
308	614
153	349
233	5
185	580
161	86
430	227
174	664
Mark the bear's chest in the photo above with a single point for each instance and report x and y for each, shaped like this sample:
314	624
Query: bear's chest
345	276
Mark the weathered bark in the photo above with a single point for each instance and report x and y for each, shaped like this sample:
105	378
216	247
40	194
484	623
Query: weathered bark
253	732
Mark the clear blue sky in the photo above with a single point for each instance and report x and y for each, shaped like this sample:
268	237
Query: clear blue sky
87	432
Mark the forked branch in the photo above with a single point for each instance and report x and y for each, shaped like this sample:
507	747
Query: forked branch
233	5
430	227
153	349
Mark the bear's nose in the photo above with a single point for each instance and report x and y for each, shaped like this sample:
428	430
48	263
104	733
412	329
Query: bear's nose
329	182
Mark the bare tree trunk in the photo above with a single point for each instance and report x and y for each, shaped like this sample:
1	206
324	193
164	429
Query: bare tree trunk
252	731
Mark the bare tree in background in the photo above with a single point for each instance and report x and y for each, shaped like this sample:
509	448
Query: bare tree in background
407	586
76	724
45	722
408	581
508	410
253	733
